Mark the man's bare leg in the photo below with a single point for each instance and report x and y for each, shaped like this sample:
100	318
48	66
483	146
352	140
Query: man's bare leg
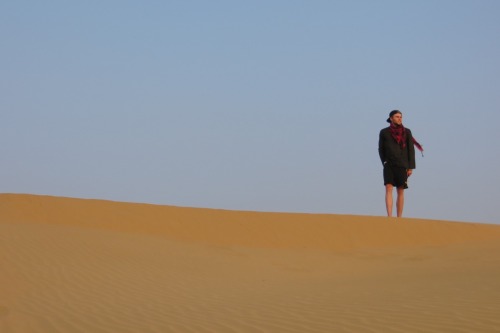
400	201
388	199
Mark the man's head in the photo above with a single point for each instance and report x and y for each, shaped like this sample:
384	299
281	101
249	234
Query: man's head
395	117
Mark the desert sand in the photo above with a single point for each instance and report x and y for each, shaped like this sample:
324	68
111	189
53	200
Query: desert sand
79	265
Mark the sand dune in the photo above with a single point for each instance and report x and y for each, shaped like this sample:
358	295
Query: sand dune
74	265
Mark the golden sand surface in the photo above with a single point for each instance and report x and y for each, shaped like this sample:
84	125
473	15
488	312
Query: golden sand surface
79	265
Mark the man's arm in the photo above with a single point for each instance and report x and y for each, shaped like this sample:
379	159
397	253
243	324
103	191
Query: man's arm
381	150
411	150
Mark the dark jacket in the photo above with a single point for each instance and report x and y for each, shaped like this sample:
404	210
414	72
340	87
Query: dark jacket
392	153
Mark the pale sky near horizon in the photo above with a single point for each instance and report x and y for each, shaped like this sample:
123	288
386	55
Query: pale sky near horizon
251	105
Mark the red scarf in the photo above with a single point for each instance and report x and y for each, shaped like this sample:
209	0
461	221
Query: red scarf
399	134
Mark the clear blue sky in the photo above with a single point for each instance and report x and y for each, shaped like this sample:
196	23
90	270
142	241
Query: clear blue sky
251	105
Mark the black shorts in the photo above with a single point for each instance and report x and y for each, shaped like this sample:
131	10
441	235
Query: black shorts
396	176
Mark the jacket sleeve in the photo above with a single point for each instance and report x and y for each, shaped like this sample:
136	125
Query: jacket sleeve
411	151
381	147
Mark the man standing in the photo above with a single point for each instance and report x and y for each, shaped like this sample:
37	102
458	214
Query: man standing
397	154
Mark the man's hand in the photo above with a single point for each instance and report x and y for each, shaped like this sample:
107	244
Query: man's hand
409	172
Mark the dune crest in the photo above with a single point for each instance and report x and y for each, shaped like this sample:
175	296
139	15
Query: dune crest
242	228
